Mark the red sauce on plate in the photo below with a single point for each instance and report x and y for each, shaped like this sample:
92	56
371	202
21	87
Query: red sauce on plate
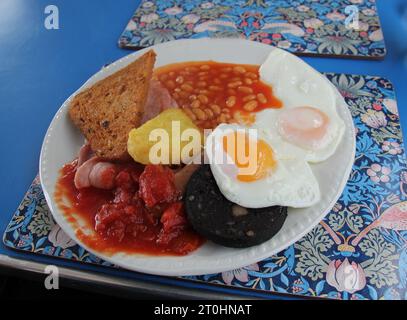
120	218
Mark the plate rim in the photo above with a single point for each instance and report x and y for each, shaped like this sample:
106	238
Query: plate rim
179	270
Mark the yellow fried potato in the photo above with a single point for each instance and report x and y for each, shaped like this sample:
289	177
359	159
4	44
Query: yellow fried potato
169	138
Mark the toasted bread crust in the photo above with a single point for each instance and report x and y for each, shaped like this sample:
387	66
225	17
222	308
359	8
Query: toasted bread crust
107	111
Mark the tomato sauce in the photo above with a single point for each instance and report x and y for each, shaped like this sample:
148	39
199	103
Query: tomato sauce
212	93
121	220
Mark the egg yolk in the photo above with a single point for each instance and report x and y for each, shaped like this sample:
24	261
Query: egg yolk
305	127
253	158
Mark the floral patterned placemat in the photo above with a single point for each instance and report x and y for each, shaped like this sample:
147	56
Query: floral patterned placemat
345	28
359	251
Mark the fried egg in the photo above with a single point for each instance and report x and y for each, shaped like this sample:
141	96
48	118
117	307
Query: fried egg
250	173
308	125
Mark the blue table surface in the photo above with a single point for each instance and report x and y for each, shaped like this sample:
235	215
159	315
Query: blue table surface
40	68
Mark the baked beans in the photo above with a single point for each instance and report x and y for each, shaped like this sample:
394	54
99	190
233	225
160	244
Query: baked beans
203	98
215	108
231	101
195	104
235	84
262	98
249	97
199	114
239	69
245	89
187	88
212	93
250	105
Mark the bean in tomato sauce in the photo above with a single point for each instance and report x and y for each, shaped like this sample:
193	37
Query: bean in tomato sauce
212	93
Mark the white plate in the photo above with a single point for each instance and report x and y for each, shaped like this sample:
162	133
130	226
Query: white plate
63	140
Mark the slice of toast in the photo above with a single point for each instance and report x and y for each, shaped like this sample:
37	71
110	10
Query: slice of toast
107	111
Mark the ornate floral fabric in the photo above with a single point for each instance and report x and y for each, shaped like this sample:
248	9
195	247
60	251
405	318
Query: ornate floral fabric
321	27
359	251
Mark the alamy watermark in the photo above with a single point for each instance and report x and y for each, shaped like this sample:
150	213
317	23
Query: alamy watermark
51	21
51	281
352	20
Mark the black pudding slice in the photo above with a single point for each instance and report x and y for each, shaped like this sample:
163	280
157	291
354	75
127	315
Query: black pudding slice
224	222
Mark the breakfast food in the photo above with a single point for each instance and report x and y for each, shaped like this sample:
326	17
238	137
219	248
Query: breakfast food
224	222
136	181
140	213
158	100
94	172
212	93
175	123
308	126
274	181
108	110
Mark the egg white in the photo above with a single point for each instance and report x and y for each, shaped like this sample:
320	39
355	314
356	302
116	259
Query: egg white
297	84
291	182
